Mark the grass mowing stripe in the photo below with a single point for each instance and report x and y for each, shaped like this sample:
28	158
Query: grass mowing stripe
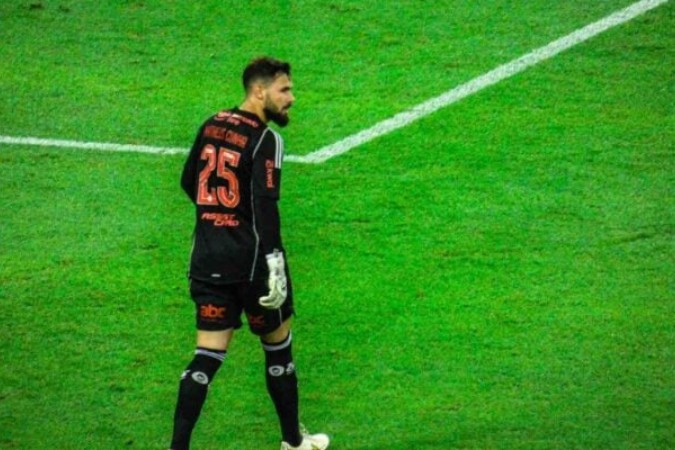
481	82
404	118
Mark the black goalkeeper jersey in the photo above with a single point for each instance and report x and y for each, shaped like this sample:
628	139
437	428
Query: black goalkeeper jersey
232	175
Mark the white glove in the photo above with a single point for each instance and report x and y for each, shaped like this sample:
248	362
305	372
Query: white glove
276	281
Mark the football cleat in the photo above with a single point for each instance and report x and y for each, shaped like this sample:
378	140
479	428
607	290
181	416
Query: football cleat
318	441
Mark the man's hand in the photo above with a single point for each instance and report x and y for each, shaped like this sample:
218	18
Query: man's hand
276	281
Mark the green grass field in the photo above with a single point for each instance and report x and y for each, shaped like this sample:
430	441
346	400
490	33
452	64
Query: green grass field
498	275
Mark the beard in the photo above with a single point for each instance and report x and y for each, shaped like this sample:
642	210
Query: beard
276	116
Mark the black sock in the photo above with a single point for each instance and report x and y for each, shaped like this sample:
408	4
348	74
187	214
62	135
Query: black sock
194	386
282	385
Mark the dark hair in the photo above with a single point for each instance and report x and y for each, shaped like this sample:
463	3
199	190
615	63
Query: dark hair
265	69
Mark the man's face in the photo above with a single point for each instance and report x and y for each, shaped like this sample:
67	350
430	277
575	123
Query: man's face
279	99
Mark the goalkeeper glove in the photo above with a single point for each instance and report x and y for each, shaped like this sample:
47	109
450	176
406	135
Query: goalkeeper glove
276	281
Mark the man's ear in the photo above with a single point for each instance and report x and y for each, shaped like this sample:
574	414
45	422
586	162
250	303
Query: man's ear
259	91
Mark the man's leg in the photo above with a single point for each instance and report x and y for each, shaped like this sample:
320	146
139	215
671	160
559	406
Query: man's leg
194	384
282	382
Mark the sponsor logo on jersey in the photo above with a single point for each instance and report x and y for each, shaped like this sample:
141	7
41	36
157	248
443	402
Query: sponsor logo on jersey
235	119
221	220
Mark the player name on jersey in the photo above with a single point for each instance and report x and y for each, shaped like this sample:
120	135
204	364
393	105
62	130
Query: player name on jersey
227	135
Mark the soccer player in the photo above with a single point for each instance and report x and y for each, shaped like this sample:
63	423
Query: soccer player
233	175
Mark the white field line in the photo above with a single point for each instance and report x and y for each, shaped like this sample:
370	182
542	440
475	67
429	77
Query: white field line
477	84
102	146
107	146
404	118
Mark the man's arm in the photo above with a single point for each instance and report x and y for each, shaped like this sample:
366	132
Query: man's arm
269	228
266	190
266	187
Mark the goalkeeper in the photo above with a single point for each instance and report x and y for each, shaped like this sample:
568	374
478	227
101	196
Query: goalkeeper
238	264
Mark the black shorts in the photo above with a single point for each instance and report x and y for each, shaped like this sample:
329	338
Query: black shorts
219	307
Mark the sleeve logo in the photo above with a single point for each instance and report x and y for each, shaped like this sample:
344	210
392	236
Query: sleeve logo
269	170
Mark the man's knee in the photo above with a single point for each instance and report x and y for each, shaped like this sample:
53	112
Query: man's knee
278	335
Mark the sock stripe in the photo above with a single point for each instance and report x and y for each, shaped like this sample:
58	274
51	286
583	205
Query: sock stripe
217	355
280	346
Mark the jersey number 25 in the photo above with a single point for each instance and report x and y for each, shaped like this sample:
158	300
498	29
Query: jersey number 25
219	160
